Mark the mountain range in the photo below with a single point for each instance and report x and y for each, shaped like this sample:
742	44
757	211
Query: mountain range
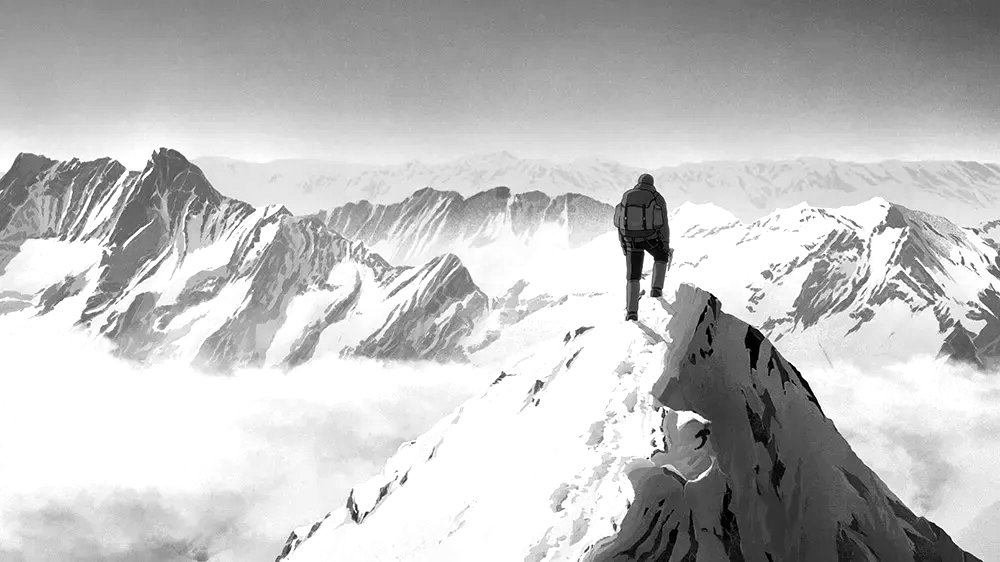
967	193
485	230
167	267
876	279
685	437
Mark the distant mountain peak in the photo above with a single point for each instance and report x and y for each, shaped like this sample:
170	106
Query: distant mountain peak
431	222
163	153
162	243
500	192
27	164
169	163
169	172
502	155
967	193
30	160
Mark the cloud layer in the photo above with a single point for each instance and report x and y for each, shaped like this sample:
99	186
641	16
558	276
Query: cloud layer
103	460
929	429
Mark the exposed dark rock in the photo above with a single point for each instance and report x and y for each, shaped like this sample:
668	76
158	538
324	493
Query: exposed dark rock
960	347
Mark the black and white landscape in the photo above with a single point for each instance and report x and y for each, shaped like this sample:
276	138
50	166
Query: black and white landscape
309	281
166	284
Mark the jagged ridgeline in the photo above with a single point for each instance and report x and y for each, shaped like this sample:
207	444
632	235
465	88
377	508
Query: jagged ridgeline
965	192
166	266
432	222
687	437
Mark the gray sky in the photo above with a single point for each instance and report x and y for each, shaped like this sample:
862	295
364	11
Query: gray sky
646	83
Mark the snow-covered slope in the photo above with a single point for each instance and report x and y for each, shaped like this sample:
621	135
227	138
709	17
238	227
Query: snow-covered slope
166	266
486	230
870	279
868	283
685	437
966	192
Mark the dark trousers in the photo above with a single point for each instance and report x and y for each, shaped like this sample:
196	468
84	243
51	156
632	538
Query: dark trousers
635	251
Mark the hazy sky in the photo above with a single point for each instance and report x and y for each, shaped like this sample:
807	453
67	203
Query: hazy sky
386	81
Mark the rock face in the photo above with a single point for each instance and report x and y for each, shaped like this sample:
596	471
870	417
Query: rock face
685	437
166	266
965	192
431	222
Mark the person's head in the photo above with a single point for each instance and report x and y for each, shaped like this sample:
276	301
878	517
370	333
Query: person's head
645	179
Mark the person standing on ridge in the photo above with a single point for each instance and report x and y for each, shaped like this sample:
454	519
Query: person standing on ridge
641	220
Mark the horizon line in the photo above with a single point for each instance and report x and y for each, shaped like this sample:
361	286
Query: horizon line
506	153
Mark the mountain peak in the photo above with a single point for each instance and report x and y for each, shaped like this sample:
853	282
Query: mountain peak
28	164
684	436
171	171
960	347
169	160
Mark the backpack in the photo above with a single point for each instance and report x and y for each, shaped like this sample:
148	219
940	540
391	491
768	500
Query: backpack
638	211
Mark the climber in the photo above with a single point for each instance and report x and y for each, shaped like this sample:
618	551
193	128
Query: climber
641	220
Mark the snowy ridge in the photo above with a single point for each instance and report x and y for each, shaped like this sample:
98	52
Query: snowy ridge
686	436
965	192
163	264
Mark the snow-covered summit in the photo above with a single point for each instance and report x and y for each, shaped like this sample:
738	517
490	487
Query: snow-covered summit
701	219
686	436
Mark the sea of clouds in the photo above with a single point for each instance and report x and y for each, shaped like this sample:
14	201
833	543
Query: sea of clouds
930	430
101	459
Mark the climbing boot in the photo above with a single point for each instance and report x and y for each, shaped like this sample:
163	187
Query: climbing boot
659	274
632	300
